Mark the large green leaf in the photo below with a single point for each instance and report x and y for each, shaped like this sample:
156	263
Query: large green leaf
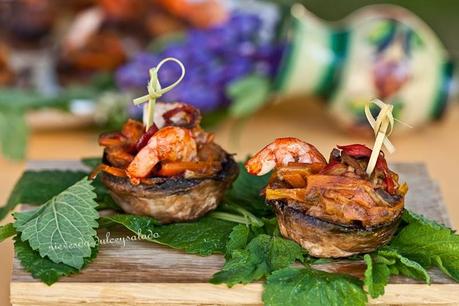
37	187
43	268
260	257
204	237
63	229
430	245
246	193
308	287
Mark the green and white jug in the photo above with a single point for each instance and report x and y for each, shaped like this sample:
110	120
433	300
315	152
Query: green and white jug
380	51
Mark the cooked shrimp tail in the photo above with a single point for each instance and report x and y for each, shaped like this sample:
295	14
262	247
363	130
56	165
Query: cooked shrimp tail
281	152
170	143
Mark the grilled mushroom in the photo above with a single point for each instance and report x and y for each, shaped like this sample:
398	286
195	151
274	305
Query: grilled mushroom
172	199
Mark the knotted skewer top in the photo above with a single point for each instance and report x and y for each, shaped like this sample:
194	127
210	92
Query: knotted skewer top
382	126
155	91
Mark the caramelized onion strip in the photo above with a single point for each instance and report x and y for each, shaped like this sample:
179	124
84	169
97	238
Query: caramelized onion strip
177	168
106	168
296	194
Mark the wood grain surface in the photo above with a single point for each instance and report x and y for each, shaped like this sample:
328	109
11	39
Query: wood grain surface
143	273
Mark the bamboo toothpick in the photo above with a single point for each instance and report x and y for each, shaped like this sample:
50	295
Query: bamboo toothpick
155	91
382	126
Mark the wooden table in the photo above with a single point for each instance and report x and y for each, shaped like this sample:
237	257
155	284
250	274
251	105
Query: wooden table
437	145
143	273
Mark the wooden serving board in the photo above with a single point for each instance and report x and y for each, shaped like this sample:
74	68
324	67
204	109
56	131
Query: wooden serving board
143	273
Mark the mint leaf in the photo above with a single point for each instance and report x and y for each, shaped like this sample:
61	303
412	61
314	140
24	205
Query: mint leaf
204	237
37	187
43	268
248	94
403	265
411	217
104	199
6	231
261	256
376	276
64	227
429	245
245	192
238	238
13	133
308	287
386	262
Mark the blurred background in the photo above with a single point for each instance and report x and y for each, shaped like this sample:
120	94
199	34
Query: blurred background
256	69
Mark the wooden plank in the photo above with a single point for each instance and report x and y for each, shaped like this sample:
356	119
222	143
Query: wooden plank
104	294
142	273
424	195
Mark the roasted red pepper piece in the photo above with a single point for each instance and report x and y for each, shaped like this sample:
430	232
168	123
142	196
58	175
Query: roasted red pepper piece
331	165
359	150
188	120
143	140
356	150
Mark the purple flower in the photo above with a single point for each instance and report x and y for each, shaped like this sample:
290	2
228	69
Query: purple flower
213	59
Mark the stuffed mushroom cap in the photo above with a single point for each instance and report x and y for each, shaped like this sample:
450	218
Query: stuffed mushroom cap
332	209
173	171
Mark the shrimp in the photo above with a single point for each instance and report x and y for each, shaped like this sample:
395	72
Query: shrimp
281	152
170	143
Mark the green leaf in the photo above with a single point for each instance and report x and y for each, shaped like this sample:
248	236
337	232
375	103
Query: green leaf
248	94
308	287
430	245
261	256
19	99
404	265
91	162
37	187
386	262
43	268
376	276
6	231
238	238
103	81
103	199
211	120
163	41
13	134
64	227
411	217
204	237
245	192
